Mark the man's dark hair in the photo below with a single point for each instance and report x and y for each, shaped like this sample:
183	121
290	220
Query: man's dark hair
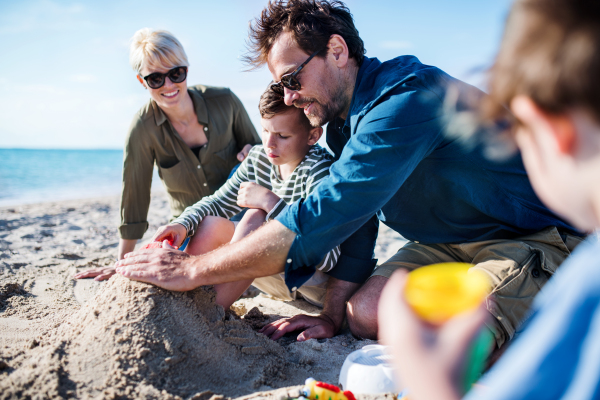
551	53
271	104
311	23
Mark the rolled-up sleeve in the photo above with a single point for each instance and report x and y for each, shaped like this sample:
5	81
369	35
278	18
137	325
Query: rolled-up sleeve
138	164
388	143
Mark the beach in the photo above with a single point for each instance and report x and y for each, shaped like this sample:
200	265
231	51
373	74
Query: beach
122	339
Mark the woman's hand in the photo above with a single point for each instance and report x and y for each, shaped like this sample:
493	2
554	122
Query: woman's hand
99	274
252	195
174	233
429	360
241	156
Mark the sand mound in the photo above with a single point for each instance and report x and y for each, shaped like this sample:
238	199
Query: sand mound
135	340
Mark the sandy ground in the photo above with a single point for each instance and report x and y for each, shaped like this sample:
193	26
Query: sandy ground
123	339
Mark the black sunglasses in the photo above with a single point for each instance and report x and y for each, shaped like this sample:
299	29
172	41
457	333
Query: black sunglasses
289	80
156	80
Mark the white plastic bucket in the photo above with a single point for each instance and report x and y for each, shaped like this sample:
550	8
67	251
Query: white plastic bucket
369	371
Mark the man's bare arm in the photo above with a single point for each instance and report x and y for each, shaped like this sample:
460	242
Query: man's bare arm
262	253
327	324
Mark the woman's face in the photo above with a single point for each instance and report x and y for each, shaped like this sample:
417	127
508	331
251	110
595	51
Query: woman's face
170	95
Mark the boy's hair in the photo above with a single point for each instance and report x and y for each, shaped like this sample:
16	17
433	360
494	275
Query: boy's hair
311	23
271	104
550	53
156	49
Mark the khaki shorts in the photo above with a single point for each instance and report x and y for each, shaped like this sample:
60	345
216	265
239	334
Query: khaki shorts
313	290
517	270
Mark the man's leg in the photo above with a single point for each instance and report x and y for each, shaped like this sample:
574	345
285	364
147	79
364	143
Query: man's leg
517	270
362	307
227	293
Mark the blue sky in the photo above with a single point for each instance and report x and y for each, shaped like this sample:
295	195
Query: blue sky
65	79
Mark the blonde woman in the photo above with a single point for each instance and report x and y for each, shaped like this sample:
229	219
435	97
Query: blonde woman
194	135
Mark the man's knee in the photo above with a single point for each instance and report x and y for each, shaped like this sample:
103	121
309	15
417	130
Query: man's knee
362	308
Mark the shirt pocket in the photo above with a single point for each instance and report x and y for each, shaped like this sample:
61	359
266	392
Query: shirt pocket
174	176
225	158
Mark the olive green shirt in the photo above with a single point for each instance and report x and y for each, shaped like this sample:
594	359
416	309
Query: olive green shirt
153	140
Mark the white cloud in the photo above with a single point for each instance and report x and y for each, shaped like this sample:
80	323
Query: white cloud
43	14
83	78
44	88
396	44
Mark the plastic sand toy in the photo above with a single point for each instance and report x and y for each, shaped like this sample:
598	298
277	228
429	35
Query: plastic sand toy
155	245
441	291
369	371
315	390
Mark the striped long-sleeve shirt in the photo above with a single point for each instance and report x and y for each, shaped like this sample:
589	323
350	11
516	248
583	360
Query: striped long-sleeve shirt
257	168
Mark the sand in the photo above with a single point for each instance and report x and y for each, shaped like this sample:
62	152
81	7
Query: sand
61	338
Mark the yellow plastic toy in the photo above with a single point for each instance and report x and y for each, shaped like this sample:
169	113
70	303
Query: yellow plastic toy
440	291
315	390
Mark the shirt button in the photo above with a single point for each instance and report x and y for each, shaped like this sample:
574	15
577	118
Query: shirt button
416	241
535	273
199	166
294	289
204	184
206	129
289	260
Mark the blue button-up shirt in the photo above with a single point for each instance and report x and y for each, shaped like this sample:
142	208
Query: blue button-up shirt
396	160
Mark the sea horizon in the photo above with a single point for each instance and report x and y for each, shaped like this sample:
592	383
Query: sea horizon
36	175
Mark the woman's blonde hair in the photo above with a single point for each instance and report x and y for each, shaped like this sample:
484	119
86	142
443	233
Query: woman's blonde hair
156	49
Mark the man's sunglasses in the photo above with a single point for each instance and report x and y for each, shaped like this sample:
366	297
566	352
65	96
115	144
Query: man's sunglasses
157	80
289	80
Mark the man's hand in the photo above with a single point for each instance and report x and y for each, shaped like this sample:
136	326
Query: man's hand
428	359
241	156
261	253
164	267
99	274
320	327
252	195
176	233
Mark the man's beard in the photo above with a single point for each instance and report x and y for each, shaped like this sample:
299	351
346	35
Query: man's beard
324	113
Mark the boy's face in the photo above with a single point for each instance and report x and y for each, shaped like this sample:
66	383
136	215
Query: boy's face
286	140
562	160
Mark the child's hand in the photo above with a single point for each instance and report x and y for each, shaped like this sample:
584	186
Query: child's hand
252	195
174	233
428	360
99	274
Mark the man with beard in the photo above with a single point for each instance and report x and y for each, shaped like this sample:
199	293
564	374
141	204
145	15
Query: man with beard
388	126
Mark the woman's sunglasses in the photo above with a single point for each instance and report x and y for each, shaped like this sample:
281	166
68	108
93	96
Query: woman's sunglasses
156	80
289	80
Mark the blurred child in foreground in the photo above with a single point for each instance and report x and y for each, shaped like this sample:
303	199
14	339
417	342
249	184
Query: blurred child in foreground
548	73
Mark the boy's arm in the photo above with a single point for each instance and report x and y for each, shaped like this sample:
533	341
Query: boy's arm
221	204
252	195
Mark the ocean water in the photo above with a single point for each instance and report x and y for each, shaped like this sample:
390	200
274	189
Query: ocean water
35	176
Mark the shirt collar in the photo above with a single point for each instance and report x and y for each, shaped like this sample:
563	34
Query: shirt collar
199	106
361	72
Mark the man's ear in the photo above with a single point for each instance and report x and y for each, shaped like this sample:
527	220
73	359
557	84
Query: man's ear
338	49
561	126
314	135
139	78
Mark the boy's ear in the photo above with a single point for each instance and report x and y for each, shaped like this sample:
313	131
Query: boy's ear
561	127
314	135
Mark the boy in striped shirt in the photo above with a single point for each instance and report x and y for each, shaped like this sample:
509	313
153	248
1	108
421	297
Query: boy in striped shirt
285	168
